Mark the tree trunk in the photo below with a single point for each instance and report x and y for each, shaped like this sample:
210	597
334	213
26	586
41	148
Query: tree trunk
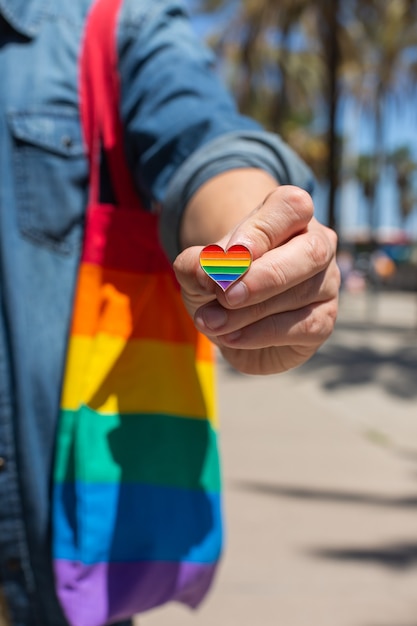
332	52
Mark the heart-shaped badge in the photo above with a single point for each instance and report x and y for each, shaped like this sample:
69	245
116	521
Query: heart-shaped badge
225	267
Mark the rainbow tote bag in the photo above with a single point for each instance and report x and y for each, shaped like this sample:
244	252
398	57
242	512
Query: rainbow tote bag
136	512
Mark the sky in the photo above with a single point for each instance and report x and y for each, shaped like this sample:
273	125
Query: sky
400	130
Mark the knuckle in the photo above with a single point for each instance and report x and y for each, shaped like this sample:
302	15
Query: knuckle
299	201
337	279
306	292
261	310
263	233
318	250
318	324
285	211
276	329
275	275
330	316
180	263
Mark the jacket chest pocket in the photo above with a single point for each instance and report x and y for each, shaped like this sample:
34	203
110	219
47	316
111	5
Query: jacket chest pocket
51	175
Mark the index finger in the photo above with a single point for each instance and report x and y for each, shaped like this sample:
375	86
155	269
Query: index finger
285	212
303	256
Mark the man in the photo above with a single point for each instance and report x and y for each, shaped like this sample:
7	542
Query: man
215	176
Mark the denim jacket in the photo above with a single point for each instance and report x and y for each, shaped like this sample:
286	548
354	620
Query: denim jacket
181	127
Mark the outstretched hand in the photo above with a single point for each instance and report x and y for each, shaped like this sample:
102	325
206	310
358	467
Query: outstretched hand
278	315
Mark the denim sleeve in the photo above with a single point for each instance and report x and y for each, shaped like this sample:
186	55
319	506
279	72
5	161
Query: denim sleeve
181	124
258	149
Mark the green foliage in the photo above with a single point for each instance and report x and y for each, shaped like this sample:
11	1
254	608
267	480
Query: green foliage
405	167
290	63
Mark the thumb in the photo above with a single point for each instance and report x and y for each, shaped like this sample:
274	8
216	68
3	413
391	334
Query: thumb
285	212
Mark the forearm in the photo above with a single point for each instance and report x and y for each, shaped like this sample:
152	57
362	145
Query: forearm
221	203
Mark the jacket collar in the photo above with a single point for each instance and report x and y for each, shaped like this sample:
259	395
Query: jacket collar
25	16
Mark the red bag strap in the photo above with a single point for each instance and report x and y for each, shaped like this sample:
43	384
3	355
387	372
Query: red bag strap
99	102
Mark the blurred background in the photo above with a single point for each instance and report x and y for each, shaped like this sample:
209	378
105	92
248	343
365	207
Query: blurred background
337	79
320	463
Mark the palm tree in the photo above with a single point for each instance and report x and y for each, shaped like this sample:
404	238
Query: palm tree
266	75
291	62
385	34
366	174
405	168
329	28
284	59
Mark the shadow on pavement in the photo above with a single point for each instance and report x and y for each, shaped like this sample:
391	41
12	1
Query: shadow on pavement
328	495
340	366
357	326
401	555
396	556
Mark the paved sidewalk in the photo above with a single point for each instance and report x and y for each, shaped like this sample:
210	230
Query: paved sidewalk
320	468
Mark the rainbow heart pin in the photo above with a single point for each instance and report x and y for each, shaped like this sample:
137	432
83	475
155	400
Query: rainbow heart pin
225	267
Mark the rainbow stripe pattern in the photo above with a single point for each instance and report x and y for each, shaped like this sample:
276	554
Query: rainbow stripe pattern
225	267
137	504
136	510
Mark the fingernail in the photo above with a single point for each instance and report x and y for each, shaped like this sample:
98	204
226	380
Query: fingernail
237	294
214	317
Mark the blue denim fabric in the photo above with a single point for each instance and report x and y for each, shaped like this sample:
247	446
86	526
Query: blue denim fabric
171	109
